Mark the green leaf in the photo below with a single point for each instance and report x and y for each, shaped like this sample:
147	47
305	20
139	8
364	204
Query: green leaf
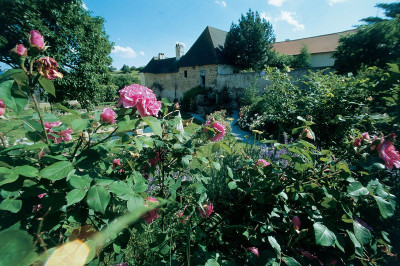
386	208
232	185
356	189
75	195
80	124
354	239
217	165
81	182
16	247
216	147
135	203
98	198
290	261
33	126
323	236
275	245
120	188
226	147
47	85
57	171
11	205
65	109
154	123
211	262
27	171
362	234
10	72
12	97
230	173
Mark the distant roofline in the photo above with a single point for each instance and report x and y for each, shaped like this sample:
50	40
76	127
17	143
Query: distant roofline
317	36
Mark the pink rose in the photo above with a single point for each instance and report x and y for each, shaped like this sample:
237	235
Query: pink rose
219	130
108	116
116	162
62	135
208	210
141	98
37	208
42	195
47	68
2	107
357	142
153	214
254	250
20	50
262	162
388	153
296	223
36	40
365	135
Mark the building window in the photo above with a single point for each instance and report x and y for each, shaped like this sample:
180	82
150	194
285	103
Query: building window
185	73
202	78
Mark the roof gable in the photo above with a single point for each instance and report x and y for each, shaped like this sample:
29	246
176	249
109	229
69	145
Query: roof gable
207	50
318	44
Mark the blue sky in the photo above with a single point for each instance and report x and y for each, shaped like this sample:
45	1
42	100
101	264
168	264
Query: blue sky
141	29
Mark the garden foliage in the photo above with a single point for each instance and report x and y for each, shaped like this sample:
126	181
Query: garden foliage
94	185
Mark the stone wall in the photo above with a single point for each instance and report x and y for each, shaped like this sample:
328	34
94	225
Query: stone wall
174	85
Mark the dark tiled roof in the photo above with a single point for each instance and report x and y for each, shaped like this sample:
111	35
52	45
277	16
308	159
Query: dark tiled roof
318	44
156	66
207	50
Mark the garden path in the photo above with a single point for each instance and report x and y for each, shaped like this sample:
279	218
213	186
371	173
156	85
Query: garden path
238	133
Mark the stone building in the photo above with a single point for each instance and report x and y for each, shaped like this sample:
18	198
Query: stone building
200	66
320	47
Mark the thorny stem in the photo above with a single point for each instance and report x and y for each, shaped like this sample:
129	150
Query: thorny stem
38	233
103	140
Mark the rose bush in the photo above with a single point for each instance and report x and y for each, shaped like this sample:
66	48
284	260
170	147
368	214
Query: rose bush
128	198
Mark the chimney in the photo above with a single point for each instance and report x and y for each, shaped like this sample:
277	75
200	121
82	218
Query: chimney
160	56
179	50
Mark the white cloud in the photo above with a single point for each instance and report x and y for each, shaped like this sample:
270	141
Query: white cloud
276	2
264	15
141	53
84	6
126	52
222	3
332	2
289	17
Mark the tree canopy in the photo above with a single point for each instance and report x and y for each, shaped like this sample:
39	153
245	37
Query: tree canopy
78	43
248	43
375	44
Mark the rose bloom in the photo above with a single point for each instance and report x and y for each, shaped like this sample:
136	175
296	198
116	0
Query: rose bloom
366	136
357	142
254	250
218	128
296	223
141	98
388	153
36	40
62	135
153	214
116	162
262	162
108	116
42	195
20	50
2	107
47	68
208	210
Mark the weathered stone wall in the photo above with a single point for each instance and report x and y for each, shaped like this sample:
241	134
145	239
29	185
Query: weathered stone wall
174	85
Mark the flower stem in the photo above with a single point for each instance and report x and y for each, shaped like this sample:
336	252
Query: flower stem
40	116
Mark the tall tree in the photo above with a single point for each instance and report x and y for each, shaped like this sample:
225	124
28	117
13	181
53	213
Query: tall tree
248	43
303	60
78	43
374	44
